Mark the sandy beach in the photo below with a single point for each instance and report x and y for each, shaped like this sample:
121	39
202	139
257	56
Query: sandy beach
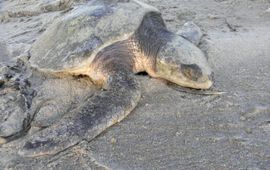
169	128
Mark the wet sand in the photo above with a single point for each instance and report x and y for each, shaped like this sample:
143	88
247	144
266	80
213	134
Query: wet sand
171	129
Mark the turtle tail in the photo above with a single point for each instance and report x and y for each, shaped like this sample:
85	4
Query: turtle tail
97	113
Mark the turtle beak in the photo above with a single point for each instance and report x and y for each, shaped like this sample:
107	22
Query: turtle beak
186	75
205	82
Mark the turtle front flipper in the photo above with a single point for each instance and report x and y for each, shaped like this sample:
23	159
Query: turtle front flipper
95	115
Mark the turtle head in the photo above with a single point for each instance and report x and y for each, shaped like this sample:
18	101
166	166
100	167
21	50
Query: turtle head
181	62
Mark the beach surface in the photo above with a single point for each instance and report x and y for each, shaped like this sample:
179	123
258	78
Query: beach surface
170	128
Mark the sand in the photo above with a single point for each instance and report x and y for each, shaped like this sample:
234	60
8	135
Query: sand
171	129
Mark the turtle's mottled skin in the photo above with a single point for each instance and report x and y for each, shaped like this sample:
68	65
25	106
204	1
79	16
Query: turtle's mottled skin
133	39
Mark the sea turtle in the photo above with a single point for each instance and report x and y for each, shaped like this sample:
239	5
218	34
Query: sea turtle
110	41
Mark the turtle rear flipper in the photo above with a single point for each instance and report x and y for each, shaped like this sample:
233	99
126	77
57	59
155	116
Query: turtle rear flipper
95	115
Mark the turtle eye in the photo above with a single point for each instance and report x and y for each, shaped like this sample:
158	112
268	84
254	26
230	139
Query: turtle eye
191	71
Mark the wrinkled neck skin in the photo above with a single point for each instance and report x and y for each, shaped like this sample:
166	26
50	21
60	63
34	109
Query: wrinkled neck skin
135	54
113	59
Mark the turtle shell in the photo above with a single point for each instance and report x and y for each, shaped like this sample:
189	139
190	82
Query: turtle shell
72	40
